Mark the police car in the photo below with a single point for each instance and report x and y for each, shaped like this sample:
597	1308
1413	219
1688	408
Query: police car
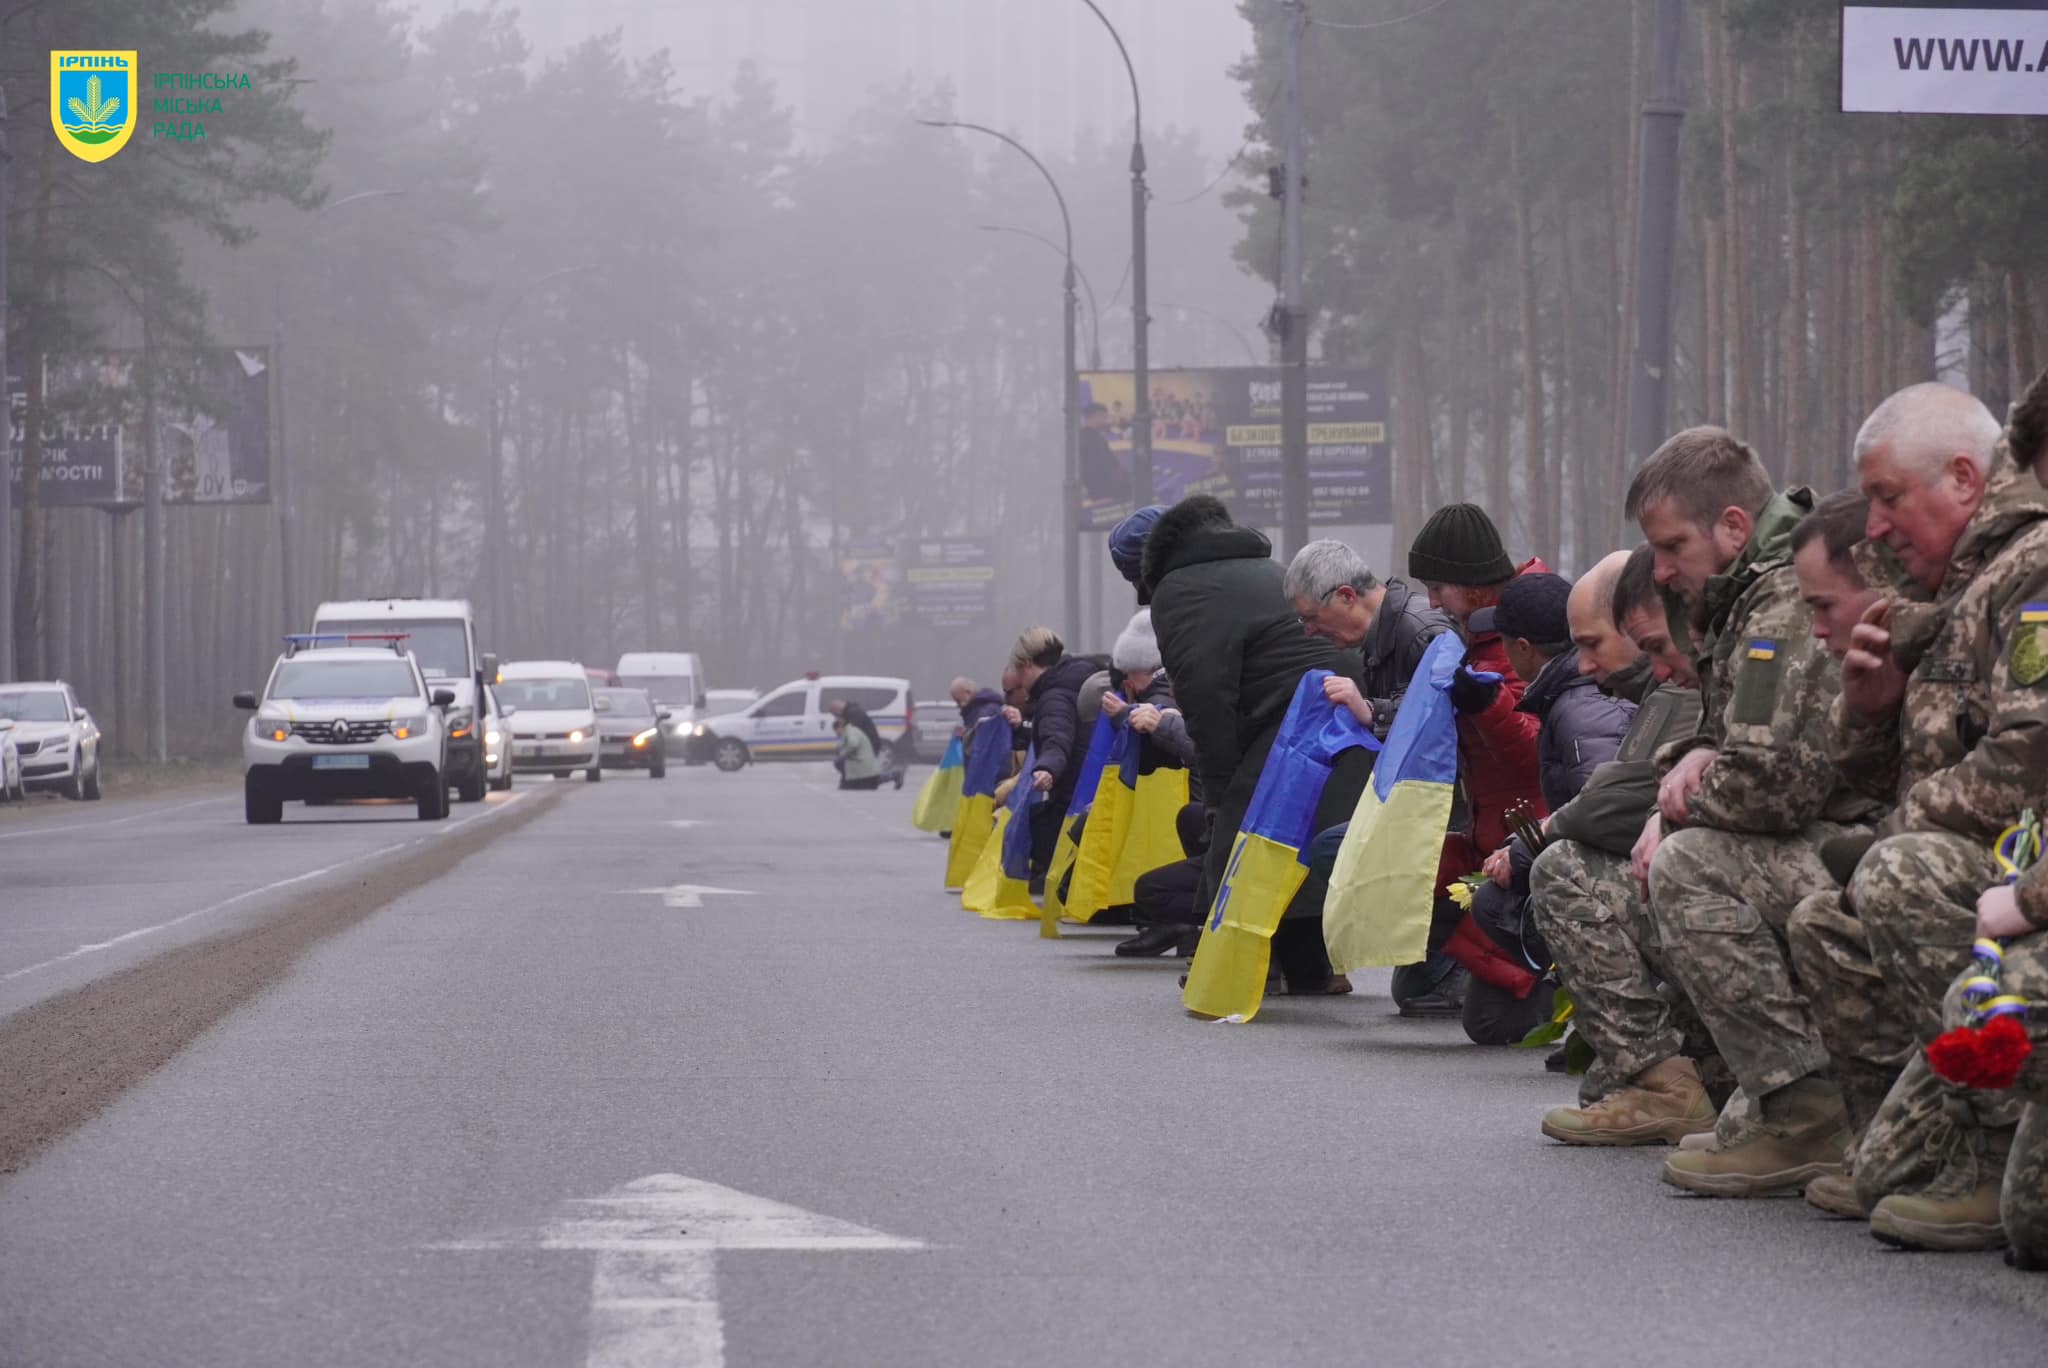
794	722
345	716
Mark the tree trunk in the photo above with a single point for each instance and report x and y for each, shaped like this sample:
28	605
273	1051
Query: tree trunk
1536	498
2019	309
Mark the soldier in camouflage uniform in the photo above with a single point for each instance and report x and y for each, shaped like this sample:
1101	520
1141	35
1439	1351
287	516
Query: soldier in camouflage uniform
1654	1068
1945	701
1746	804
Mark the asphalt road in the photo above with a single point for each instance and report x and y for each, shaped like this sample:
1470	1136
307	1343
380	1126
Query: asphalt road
387	1157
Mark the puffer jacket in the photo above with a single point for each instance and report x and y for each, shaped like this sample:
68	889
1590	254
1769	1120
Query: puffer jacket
1497	765
1056	725
1581	728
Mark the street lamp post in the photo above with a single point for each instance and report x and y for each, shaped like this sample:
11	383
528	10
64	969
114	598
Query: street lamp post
1141	363
1071	488
287	529
1087	288
1250	352
494	497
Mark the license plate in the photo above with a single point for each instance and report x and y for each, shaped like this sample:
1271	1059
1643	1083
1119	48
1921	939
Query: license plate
341	762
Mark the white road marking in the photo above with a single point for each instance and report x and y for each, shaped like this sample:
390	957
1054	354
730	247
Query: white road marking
114	822
689	895
685	823
654	1289
225	903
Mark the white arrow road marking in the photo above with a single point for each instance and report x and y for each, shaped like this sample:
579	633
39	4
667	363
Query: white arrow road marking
689	895
654	1290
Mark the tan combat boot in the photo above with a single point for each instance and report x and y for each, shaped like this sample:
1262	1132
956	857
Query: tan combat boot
1661	1106
1835	1193
1959	1209
1800	1137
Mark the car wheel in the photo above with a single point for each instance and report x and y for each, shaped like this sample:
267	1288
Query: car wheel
258	806
92	782
433	800
731	756
561	774
905	751
502	783
74	787
659	769
594	773
471	790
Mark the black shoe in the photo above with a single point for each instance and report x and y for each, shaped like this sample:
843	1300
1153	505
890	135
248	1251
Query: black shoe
1554	1061
1190	940
899	780
1153	940
1434	1003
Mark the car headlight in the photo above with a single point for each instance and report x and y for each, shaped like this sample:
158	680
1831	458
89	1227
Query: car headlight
492	736
405	728
460	723
578	734
640	741
702	730
273	728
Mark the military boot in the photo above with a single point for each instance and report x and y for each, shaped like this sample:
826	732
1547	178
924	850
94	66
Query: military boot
1835	1194
1661	1106
1799	1137
1959	1209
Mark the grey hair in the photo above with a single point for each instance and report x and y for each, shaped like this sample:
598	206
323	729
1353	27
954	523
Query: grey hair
1323	567
1924	425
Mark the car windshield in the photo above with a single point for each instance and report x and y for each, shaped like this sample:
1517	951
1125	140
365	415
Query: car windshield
441	647
34	705
664	688
623	702
303	678
562	693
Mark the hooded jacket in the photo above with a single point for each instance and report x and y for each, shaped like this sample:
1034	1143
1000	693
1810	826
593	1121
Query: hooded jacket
1581	727
1056	725
1497	765
1227	635
984	704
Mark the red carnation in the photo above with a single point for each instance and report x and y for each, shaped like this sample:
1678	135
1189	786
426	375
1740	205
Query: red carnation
1988	1057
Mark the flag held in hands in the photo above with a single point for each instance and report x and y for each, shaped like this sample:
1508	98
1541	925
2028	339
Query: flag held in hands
938	802
987	757
1100	742
1267	860
1383	889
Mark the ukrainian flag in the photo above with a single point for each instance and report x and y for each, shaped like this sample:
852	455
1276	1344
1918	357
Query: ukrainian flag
1100	742
1109	818
1000	886
1228	977
1384	887
1157	785
938	802
974	822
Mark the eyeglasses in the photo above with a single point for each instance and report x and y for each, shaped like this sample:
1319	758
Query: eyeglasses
1308	619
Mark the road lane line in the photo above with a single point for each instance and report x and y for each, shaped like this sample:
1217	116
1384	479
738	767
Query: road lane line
225	903
102	826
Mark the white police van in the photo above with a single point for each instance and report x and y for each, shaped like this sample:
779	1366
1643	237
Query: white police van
345	716
794	722
441	633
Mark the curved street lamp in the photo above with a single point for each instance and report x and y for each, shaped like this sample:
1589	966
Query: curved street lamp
281	473
1087	288
1141	363
494	496
1069	381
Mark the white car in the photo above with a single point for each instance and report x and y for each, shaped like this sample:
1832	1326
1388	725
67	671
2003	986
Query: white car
55	740
794	722
11	787
441	634
554	719
497	741
345	721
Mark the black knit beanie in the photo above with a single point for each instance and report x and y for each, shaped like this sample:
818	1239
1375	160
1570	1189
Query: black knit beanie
1459	545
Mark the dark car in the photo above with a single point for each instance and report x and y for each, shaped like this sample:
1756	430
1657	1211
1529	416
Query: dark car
629	731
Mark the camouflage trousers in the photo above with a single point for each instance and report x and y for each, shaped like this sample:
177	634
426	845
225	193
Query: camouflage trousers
1609	959
1721	903
2023	1204
1875	965
1930	1132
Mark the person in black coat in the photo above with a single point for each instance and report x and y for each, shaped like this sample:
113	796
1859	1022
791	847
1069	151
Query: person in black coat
1052	680
1236	652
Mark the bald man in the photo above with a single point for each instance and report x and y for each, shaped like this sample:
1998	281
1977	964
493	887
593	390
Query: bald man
1646	1085
1943	710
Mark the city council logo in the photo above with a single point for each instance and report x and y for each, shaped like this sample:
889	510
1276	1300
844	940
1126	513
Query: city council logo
92	102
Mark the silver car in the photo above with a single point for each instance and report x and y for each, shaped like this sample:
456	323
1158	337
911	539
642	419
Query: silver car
56	738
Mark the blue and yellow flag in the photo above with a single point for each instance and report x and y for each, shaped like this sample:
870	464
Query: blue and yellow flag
1009	897
938	802
1100	742
987	758
1157	785
1102	841
1383	890
1267	860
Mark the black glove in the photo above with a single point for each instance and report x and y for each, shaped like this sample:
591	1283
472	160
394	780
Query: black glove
1471	694
1841	854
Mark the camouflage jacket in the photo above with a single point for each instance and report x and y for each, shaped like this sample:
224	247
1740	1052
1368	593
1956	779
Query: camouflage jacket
1766	688
1967	750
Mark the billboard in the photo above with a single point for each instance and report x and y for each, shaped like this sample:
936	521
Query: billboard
1945	57
951	580
213	428
870	585
1218	432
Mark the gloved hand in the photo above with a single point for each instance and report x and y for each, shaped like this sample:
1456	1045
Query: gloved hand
1473	691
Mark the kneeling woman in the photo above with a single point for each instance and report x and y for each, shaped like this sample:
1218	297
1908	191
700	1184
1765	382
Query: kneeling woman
858	765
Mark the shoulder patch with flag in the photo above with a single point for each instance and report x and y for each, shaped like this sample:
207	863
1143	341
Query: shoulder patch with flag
2029	650
1760	649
